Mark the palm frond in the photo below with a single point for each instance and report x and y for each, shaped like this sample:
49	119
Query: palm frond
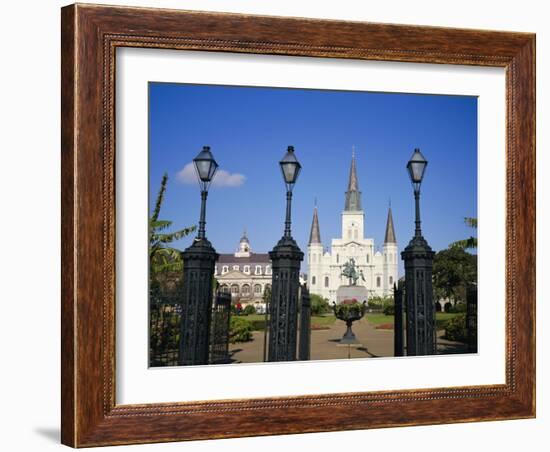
470	221
159	225
166	259
160	197
171	236
470	243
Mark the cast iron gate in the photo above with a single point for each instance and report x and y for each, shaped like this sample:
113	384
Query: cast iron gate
219	337
304	343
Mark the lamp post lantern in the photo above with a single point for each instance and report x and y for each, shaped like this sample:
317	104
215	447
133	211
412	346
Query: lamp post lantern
285	257
418	259
198	272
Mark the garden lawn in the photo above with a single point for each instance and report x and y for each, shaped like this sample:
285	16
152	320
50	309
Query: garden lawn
376	319
319	322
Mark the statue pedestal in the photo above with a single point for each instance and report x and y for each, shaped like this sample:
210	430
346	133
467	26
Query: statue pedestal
360	293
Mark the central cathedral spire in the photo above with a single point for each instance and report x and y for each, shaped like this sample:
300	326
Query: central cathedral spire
353	195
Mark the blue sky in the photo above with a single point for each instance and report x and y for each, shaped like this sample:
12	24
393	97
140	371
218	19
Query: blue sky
249	130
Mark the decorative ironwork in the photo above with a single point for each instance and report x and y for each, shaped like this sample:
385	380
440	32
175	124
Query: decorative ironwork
305	326
420	308
471	317
286	258
219	338
198	274
398	346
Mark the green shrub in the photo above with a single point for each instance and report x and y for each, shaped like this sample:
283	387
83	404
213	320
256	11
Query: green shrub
459	307
257	325
448	307
437	306
319	305
455	329
379	302
389	309
240	330
249	310
374	303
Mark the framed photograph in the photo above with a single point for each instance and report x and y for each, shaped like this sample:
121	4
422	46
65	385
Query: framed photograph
282	225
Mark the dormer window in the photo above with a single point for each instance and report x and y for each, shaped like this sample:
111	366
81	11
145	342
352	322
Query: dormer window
268	269
236	267
225	269
258	270
246	269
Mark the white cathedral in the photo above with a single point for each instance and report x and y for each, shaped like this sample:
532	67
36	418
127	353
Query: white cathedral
379	267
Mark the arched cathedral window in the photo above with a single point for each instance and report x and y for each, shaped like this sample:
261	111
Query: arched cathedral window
378	281
326	281
391	280
313	280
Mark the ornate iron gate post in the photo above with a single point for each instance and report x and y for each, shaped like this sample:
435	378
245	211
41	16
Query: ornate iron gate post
471	317
305	326
198	275
420	308
286	258
418	257
219	342
398	320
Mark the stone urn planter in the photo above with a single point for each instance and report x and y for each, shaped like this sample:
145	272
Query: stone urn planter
349	311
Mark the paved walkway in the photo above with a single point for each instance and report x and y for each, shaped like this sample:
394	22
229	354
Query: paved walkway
325	344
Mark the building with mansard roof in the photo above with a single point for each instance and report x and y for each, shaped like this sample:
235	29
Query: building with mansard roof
244	274
378	266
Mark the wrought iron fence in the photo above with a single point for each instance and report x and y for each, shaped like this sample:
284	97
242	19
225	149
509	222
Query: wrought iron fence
164	328
398	336
219	337
304	344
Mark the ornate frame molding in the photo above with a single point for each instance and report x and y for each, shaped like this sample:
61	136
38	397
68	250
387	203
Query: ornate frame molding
90	36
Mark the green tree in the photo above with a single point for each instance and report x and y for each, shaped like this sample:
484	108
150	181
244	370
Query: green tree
453	270
161	256
471	242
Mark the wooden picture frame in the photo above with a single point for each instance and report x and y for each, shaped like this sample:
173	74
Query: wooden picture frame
90	36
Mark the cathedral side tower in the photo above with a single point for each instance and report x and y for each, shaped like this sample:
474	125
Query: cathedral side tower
315	256
390	253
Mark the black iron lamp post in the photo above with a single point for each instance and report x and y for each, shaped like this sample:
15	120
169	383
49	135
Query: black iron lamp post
418	258
198	274
286	257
